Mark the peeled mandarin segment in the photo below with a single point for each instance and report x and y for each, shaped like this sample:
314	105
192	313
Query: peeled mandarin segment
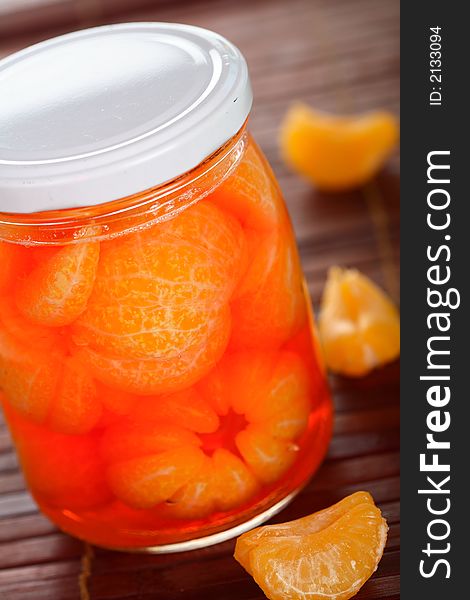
76	407
270	389
220	235
359	325
150	333
63	470
57	290
223	483
269	306
28	377
187	407
269	458
337	152
38	380
234	483
197	498
213	389
155	376
158	292
149	480
246	376
28	333
284	407
383	337
128	439
251	193
302	526
329	554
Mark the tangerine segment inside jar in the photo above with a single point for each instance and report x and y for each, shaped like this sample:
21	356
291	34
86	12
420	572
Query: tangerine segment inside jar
163	383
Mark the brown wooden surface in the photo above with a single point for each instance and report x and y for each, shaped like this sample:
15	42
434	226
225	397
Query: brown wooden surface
339	55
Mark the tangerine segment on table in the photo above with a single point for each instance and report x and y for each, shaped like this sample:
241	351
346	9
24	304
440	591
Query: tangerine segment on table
329	554
337	152
56	292
251	193
359	325
269	304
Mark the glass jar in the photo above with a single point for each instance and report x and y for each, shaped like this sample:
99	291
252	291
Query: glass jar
159	369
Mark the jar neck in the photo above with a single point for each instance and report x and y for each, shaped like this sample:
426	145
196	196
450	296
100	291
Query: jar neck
119	217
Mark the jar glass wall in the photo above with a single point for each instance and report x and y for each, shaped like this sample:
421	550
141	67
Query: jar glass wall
159	366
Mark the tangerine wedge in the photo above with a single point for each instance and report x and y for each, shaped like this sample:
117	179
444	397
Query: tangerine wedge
223	483
28	376
233	480
146	481
39	380
158	292
359	325
282	403
187	407
30	334
56	291
129	439
161	376
48	389
76	407
213	390
220	235
271	390
268	457
273	394
329	554
251	193
197	498
334	152
158	318
269	305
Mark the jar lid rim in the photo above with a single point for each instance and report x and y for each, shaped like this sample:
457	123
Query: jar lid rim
103	113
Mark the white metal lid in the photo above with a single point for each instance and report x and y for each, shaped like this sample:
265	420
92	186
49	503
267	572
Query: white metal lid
104	113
